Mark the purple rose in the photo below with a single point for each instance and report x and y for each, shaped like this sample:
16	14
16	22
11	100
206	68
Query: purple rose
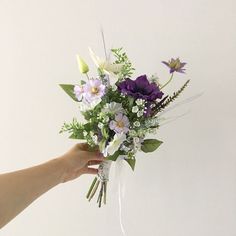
140	88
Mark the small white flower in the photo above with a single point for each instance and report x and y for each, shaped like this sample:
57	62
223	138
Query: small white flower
95	139
136	140
106	119
114	87
137	143
140	113
124	148
100	125
135	109
85	133
153	130
132	133
114	145
137	123
140	102
152	105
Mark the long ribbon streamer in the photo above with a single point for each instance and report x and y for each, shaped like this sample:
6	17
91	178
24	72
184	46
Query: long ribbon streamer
119	175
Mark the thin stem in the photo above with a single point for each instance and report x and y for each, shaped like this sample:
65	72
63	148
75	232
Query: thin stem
99	201
94	190
87	76
91	187
105	193
104	43
171	77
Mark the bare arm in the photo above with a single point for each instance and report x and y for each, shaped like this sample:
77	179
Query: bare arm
20	188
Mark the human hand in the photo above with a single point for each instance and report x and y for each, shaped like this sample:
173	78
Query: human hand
77	161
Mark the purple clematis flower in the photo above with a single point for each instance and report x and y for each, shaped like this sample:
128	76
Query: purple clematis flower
140	88
175	65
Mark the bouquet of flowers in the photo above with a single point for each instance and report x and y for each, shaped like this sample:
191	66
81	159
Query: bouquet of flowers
119	111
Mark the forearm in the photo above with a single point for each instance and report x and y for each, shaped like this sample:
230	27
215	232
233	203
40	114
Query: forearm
20	188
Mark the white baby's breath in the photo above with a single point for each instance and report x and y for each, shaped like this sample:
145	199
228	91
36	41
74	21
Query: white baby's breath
137	124
140	113
132	133
100	125
105	119
114	87
140	102
135	109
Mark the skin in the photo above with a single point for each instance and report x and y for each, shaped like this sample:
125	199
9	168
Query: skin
20	188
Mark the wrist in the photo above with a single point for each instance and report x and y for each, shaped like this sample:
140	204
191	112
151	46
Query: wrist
59	168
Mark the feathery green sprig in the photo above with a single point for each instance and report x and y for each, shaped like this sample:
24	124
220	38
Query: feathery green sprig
122	58
170	99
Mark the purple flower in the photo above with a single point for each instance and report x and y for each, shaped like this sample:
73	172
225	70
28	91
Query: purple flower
78	91
175	65
93	90
120	124
140	88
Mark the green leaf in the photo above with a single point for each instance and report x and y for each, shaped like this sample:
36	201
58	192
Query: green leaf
102	144
114	156
150	145
104	132
131	162
69	89
131	101
76	136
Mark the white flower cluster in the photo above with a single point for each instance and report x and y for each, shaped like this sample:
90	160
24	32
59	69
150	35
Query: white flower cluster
152	122
139	108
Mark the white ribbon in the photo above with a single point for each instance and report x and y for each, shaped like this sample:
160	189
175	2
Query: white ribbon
103	174
119	176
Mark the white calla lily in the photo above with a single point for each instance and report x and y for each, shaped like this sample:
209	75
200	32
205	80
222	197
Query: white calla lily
114	145
104	65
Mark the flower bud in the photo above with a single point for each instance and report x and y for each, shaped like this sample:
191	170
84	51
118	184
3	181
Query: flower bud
83	67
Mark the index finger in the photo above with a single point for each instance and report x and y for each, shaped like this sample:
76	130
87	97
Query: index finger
94	156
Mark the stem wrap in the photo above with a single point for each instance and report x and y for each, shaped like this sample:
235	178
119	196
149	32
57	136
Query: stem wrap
104	170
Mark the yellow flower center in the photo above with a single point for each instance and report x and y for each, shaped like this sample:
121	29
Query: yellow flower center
120	124
94	90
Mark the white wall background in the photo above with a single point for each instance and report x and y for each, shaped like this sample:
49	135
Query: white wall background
187	187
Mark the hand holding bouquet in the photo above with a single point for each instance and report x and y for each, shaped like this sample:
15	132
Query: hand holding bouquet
119	115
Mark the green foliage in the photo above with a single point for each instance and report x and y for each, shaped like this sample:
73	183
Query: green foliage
122	58
150	145
167	100
91	115
131	162
74	128
114	156
69	89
